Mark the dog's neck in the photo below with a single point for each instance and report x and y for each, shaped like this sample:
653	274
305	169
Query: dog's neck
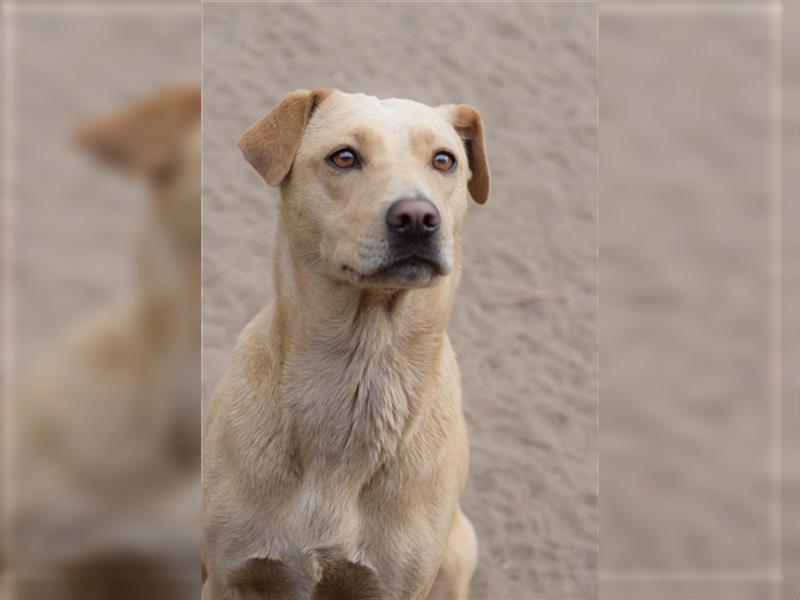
341	351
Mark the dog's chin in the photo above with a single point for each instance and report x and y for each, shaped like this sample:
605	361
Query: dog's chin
410	272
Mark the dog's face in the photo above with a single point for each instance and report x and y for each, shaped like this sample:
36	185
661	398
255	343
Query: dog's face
373	191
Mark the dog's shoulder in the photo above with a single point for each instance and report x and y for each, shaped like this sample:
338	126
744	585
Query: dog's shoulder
252	355
249	369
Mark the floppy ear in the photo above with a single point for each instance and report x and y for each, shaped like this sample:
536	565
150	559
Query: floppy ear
467	122
271	143
143	138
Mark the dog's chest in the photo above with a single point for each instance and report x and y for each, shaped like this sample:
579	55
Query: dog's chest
356	400
349	402
329	528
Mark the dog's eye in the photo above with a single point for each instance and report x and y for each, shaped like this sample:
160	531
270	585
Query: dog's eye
345	158
444	161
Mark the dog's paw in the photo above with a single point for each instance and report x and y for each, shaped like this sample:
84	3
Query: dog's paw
340	577
268	579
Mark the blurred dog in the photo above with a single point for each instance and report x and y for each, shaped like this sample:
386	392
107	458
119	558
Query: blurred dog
336	449
104	494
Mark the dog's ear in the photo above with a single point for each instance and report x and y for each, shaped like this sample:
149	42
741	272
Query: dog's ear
144	137
466	120
271	143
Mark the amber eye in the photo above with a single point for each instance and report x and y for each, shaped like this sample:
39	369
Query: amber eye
443	161
345	158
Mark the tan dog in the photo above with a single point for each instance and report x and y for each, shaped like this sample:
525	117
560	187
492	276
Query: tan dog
336	448
106	445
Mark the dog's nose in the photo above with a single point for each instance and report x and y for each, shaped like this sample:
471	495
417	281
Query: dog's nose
413	218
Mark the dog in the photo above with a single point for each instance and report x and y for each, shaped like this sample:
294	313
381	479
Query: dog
105	470
335	445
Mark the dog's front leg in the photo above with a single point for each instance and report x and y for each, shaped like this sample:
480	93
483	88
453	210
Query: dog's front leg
461	556
258	579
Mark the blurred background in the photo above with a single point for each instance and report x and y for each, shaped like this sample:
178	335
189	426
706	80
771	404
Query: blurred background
699	494
694	216
100	214
524	319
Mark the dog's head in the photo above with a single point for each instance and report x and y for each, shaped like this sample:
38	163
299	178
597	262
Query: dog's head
373	191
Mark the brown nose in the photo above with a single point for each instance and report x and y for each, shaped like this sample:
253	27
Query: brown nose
413	218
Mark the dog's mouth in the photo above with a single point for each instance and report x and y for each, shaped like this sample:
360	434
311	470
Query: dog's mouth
408	271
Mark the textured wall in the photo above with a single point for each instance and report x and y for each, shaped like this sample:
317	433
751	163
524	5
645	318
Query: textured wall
524	318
